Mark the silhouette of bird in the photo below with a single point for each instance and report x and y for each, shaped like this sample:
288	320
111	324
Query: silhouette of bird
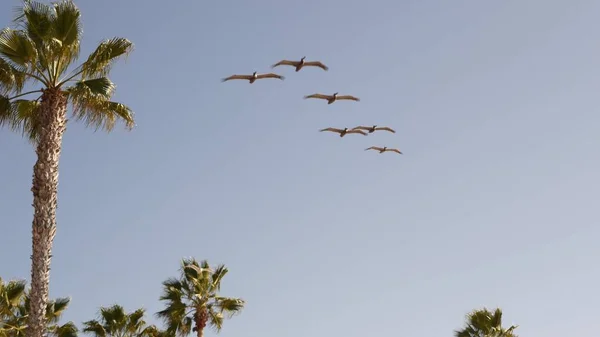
383	149
344	131
301	64
332	98
374	128
252	78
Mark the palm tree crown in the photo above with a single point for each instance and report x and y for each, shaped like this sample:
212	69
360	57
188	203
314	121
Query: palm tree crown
193	299
14	310
485	323
114	322
40	51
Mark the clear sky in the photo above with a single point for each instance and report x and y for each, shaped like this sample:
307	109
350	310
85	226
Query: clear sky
494	202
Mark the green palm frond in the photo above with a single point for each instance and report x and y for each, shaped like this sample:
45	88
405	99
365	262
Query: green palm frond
216	319
91	104
94	328
68	329
11	78
230	306
55	309
26	118
100	61
17	47
217	276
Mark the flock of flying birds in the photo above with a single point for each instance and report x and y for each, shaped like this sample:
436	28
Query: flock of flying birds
363	130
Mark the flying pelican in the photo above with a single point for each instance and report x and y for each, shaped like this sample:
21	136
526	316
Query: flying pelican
332	98
374	128
253	77
383	149
344	131
300	64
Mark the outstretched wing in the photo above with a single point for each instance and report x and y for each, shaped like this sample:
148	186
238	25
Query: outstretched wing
316	64
357	131
332	130
321	96
286	63
394	150
348	97
385	128
362	127
269	75
374	148
237	77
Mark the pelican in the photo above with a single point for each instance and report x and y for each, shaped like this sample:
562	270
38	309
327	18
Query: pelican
383	149
344	131
253	77
374	128
300	64
332	98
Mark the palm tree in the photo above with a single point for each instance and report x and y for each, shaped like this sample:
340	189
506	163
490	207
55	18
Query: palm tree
11	295
484	323
40	51
193	299
14	307
114	322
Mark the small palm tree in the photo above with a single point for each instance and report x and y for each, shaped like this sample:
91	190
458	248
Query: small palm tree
40	51
484	323
114	322
14	307
193	299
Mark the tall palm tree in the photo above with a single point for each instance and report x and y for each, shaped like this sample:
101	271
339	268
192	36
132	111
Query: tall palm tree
485	323
40	51
193	299
115	322
14	308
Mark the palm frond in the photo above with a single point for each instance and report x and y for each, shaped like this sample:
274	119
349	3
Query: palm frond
100	61
17	47
135	322
68	329
36	19
217	276
95	328
26	118
66	28
230	306
13	292
11	78
215	319
91	105
6	111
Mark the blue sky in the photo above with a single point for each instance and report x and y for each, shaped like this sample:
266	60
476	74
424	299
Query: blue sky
495	104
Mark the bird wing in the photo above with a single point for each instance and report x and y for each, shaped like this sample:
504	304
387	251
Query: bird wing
348	97
269	75
394	150
316	64
332	130
374	148
357	131
286	63
362	127
237	77
385	128
321	96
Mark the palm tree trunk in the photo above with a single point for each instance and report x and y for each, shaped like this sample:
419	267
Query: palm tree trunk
201	320
52	121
